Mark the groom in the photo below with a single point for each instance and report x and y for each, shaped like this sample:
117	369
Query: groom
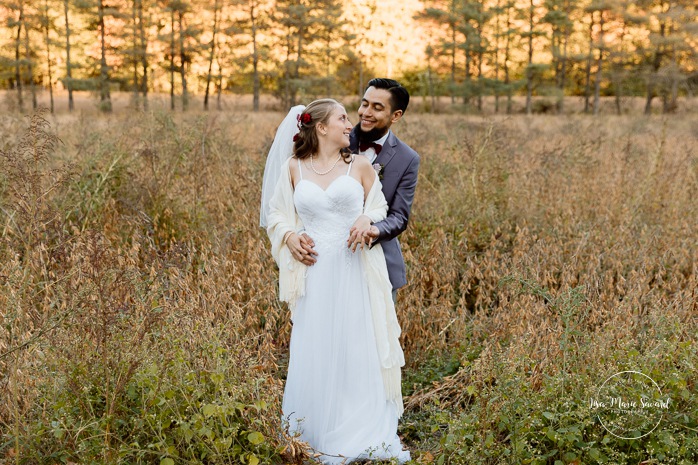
383	104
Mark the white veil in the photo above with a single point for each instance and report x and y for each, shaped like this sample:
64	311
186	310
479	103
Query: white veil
281	150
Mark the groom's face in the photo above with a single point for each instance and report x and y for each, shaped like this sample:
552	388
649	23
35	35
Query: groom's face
376	114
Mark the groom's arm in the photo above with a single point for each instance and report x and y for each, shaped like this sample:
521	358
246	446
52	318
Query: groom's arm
399	212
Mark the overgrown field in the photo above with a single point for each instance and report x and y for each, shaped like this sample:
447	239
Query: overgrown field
140	322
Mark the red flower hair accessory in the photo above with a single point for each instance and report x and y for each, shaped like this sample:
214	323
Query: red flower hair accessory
304	118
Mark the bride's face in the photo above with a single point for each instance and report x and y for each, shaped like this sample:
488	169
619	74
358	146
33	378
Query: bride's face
338	128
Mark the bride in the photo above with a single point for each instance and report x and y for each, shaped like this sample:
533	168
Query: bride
342	394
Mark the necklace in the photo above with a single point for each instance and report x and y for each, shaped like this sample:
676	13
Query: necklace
322	173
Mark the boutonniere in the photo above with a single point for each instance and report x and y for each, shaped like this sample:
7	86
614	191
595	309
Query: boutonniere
379	167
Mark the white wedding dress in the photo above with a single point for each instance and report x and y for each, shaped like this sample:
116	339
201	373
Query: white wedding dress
334	397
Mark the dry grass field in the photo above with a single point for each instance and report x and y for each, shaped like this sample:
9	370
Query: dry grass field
140	322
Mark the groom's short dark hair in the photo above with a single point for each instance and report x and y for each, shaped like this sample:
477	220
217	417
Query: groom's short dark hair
399	97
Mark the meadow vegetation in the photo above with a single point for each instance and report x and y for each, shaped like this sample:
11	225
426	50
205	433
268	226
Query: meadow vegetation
139	315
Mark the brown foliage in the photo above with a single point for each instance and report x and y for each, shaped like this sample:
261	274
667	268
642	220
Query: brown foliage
525	233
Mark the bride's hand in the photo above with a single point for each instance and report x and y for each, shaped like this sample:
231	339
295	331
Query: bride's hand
301	248
359	234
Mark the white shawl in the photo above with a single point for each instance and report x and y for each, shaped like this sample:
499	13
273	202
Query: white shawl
283	218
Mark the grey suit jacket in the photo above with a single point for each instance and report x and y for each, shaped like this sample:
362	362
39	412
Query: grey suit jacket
401	164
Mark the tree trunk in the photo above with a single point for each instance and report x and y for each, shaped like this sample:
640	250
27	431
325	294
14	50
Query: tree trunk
507	49
30	65
617	88
183	62
104	95
48	54
453	63
68	63
287	70
497	32
136	51
172	55
212	55
587	87
563	74
675	78
328	64
672	94
297	70
555	51
529	70
480	54
256	84
468	89
618	75
454	49
219	84
143	55
656	64
430	84
559	47
18	57
599	66
479	81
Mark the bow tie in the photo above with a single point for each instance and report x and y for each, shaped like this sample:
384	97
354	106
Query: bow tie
363	146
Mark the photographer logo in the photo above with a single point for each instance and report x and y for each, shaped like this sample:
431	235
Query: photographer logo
629	405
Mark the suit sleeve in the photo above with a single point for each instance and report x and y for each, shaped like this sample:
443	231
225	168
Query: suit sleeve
399	212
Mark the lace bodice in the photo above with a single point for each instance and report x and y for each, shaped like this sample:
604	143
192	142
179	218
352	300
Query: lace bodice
328	214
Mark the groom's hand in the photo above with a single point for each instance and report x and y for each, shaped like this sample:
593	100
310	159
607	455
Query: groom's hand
301	247
372	234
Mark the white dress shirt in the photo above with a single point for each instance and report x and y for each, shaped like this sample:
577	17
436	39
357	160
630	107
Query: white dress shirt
370	152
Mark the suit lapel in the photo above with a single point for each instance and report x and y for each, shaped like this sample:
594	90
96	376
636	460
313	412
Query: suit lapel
388	151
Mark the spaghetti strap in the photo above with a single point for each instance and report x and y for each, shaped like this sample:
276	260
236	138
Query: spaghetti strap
350	163
300	170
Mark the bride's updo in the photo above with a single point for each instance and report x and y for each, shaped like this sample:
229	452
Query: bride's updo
306	142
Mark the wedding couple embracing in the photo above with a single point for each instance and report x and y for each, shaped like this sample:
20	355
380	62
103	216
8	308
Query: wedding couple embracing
334	200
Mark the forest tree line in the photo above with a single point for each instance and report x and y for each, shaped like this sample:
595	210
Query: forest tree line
296	49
